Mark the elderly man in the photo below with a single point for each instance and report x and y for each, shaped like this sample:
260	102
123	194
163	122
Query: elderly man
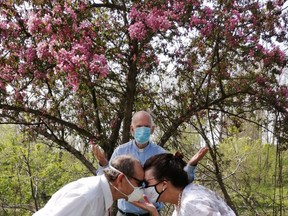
93	196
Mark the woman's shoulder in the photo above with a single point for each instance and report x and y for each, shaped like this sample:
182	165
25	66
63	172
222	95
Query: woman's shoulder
198	193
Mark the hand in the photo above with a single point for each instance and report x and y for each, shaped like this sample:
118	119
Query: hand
100	155
198	156
147	206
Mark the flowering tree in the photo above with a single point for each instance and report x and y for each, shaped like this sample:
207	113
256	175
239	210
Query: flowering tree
73	72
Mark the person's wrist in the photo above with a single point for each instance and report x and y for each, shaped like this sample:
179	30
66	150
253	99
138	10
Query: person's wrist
154	212
103	163
193	164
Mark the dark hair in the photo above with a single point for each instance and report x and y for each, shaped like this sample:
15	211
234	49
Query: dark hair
123	163
170	167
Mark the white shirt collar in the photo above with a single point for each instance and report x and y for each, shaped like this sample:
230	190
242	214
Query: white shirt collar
107	192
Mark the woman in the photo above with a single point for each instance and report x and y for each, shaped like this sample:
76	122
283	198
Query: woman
166	181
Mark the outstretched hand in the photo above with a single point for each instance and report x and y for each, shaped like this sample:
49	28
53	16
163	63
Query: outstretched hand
100	155
147	206
198	156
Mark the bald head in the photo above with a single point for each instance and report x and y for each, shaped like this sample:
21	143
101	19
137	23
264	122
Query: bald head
143	117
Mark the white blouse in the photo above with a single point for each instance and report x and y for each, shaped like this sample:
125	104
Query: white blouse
200	201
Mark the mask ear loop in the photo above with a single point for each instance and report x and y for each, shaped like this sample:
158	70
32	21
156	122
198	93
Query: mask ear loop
163	189
116	170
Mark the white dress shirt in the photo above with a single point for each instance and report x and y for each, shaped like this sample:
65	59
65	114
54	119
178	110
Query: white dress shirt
200	201
89	196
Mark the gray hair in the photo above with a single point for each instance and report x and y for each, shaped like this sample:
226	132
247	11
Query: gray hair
123	163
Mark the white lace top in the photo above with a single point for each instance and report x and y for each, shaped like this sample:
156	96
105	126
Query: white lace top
200	201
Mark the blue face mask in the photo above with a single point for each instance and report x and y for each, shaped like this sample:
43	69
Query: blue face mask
142	135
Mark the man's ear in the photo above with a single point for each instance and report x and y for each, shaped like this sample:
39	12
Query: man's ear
131	130
119	179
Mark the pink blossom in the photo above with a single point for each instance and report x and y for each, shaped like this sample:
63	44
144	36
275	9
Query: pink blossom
196	3
73	80
277	52
3	25
236	13
83	6
239	33
57	9
134	13
178	6
57	21
22	69
14	26
137	31
259	47
30	54
41	49
156	60
99	65
278	3
70	11
33	23
85	24
7	73
233	21
2	85
208	12
285	91
81	48
46	19
274	56
194	20
18	96
48	28
206	31
260	80
39	75
268	91
251	53
52	43
157	20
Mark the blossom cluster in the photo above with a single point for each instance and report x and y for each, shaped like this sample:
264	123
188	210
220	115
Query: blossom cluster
153	20
59	38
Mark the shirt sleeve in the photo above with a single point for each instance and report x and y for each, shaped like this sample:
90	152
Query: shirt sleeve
190	170
72	206
69	205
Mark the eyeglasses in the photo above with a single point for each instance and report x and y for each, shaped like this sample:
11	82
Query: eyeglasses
139	182
145	183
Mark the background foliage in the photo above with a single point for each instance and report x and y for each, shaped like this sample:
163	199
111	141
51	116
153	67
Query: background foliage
32	172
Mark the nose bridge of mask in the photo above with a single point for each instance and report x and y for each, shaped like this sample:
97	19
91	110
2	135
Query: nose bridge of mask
155	186
143	130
